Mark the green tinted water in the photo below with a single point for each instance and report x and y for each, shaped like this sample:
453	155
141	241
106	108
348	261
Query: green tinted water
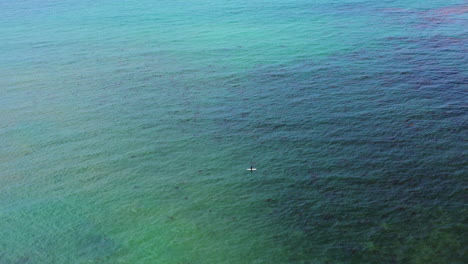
127	128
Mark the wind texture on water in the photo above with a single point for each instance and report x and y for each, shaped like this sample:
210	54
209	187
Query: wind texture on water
126	129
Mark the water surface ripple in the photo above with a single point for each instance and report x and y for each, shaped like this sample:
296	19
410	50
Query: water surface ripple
126	129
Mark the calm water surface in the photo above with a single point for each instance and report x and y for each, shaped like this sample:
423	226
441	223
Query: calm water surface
126	128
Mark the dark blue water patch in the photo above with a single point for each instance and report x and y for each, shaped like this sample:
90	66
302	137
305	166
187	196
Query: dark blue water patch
370	146
423	17
356	221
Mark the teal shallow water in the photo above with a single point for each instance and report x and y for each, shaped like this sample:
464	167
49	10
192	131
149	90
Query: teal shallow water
126	129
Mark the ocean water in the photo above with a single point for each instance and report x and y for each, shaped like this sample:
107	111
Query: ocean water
126	128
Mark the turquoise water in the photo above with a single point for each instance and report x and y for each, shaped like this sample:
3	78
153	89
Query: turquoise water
126	128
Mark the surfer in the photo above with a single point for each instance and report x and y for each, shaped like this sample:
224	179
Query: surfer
251	168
